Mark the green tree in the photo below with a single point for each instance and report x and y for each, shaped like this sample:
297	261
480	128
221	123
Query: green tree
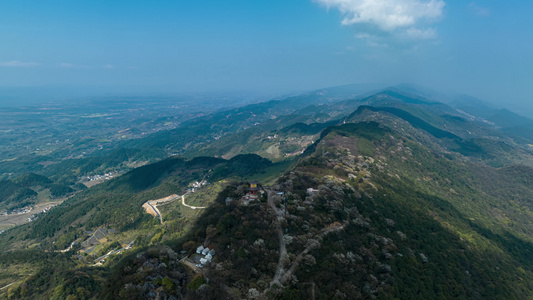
168	284
196	282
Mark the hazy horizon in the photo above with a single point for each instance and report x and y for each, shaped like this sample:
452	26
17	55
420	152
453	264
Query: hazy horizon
267	48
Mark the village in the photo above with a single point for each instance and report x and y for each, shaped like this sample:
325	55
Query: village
93	180
105	176
25	214
17	211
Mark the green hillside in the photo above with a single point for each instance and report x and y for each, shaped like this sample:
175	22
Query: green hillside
14	196
405	223
389	196
32	180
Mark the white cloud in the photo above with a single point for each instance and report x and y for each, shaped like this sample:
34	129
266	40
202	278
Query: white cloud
67	65
19	64
422	34
377	44
388	15
73	66
363	36
76	66
478	10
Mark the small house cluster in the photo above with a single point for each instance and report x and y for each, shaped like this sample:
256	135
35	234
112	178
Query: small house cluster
207	253
20	211
196	185
106	176
35	216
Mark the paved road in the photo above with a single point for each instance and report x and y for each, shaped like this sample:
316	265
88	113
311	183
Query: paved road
157	212
153	205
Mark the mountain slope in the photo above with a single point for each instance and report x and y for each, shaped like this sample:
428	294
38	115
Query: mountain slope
405	223
378	215
15	196
398	198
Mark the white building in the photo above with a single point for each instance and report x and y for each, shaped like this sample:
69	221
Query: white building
200	249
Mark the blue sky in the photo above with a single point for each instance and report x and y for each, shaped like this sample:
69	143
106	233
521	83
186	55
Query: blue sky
484	48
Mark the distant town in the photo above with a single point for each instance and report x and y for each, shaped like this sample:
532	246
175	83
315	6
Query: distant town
105	176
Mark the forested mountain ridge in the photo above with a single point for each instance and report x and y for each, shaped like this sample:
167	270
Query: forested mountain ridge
399	197
281	138
373	214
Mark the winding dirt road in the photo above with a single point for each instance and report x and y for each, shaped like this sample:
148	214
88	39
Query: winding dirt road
189	206
150	206
281	276
282	245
